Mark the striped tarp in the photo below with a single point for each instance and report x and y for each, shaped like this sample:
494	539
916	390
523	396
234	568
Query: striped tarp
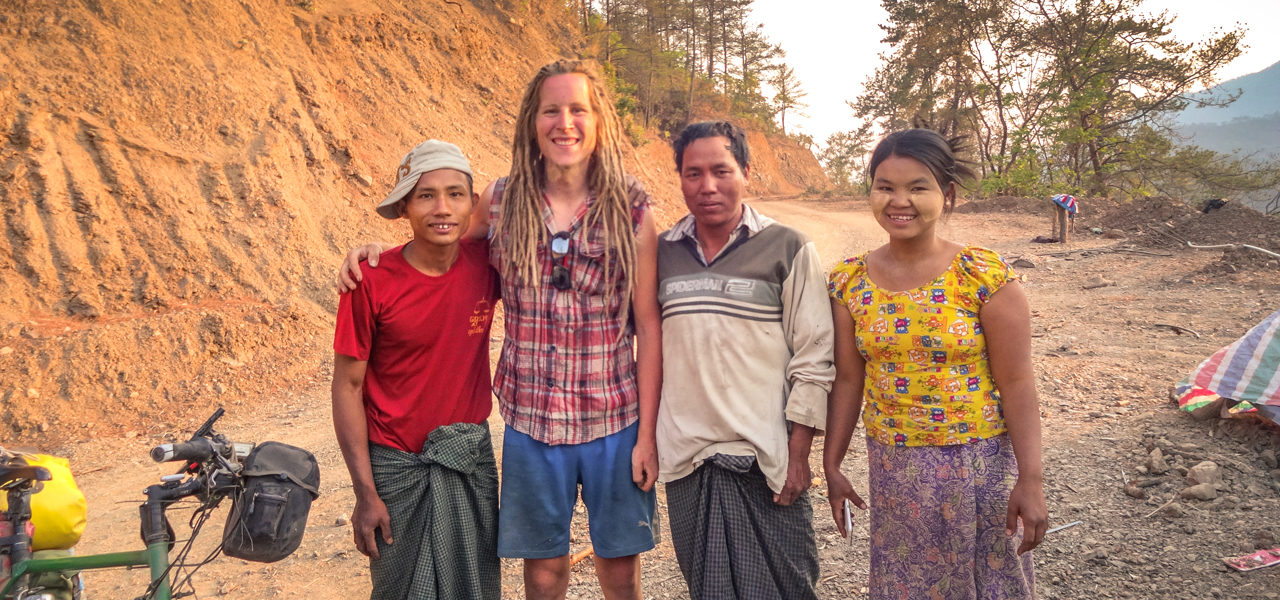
1247	373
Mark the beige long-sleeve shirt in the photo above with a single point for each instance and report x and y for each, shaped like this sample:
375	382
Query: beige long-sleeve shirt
747	346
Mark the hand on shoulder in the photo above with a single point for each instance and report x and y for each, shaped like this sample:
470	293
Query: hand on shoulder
349	275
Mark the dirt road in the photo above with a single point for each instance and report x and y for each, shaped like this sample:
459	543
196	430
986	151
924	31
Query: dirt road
1104	370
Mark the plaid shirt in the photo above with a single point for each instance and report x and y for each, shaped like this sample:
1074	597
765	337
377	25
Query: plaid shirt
567	372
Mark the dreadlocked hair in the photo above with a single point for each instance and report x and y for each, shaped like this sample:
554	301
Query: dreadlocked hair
520	227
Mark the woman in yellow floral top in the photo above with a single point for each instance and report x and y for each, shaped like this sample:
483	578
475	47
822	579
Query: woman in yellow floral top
933	345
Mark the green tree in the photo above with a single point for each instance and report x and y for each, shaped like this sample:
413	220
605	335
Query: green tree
787	92
928	75
1157	165
677	58
805	140
1117	70
1051	94
844	157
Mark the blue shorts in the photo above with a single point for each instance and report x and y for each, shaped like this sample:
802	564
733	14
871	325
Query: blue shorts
540	488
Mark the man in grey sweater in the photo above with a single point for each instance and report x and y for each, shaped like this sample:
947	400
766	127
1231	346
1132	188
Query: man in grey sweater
747	364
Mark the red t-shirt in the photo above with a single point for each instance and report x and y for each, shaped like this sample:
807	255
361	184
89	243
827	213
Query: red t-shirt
427	343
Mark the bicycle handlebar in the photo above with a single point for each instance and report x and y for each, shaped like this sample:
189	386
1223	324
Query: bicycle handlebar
197	450
162	494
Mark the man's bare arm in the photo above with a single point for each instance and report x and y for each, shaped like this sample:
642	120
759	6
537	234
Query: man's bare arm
352	429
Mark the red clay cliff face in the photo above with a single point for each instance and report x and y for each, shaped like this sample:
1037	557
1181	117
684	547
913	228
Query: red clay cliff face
178	181
783	167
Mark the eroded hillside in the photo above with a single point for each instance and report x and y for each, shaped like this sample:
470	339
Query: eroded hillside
178	179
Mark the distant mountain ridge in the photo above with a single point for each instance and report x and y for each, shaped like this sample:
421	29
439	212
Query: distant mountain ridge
1250	125
1258	98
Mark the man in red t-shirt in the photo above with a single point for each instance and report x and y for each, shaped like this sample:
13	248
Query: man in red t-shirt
411	393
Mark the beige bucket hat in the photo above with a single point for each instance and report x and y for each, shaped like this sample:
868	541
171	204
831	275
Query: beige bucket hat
424	158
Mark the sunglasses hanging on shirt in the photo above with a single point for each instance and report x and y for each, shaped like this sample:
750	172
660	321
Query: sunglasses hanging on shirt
560	269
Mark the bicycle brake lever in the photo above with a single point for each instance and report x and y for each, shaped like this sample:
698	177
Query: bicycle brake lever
207	427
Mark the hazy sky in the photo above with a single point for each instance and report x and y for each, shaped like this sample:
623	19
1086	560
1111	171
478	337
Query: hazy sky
833	45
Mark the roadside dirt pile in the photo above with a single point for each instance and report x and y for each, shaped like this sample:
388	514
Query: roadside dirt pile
1163	223
177	182
1004	204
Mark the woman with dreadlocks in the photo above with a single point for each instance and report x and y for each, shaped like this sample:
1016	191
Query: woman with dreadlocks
576	246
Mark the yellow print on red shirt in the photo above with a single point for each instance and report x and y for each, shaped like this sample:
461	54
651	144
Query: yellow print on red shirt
477	323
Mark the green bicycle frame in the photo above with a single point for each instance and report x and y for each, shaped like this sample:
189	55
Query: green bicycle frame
156	532
156	556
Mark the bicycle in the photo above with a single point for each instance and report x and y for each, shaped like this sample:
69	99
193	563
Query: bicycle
210	473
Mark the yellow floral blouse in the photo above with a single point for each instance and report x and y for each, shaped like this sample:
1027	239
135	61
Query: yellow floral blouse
928	378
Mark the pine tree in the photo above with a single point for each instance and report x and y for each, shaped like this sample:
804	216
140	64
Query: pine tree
788	93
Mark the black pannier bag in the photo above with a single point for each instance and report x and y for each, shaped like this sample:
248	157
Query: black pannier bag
269	515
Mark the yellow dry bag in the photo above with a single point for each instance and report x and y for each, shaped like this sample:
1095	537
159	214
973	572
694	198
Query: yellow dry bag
58	510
